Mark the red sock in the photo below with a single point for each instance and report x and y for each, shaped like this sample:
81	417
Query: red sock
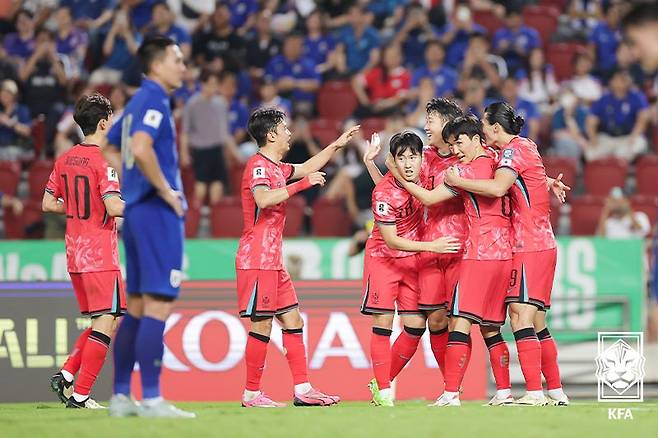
380	353
499	359
458	353
529	351
72	364
404	348
254	354
293	342
93	358
439	343
549	366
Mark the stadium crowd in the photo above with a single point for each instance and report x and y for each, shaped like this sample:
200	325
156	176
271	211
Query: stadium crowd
329	64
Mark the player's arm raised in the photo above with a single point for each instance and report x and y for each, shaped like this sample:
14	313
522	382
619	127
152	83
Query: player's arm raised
393	241
266	197
440	193
319	160
492	188
372	150
141	147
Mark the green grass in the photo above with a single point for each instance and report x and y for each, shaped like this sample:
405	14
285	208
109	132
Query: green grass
407	419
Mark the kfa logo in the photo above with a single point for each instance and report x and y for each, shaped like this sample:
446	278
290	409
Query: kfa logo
620	367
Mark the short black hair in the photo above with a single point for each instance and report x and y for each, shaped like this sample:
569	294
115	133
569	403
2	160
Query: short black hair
153	47
466	125
618	71
435	42
206	74
91	109
640	14
23	12
262	122
404	140
444	108
503	113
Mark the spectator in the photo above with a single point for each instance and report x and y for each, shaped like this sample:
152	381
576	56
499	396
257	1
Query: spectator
619	221
190	87
482	65
262	46
425	91
538	84
569	128
140	12
358	41
585	86
456	34
515	41
295	74
618	121
269	98
163	24
626	61
319	45
219	41
243	14
238	114
337	10
524	108
68	133
206	141
475	96
72	43
91	15
383	89
15	123
20	45
579	21
604	39
120	47
44	79
414	33
302	147
7	68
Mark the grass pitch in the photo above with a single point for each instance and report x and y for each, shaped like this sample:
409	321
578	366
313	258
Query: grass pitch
349	419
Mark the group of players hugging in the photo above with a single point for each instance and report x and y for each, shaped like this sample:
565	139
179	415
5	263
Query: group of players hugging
462	237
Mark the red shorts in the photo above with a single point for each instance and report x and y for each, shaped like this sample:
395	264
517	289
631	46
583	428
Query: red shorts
437	276
99	293
387	281
532	278
481	290
265	293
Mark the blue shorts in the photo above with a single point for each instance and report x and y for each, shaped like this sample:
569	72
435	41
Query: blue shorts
153	239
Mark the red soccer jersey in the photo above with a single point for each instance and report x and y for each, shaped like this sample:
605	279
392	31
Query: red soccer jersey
489	226
83	179
262	235
393	205
445	218
380	87
531	210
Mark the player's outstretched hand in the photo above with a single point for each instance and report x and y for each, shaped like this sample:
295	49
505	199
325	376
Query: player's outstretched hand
372	148
174	199
445	245
346	136
317	179
559	188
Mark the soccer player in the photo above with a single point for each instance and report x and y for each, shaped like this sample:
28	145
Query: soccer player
521	172
390	272
91	200
264	287
640	27
479	294
152	230
437	273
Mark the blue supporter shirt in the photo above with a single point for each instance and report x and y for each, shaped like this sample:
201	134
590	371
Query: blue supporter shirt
280	67
413	46
176	33
15	46
606	41
529	111
358	51
456	49
121	58
580	116
241	10
141	14
526	37
617	116
238	116
148	111
445	79
8	136
88	8
318	49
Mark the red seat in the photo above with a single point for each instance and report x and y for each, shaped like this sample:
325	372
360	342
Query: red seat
187	175
325	130
585	214
561	165
235	179
39	135
10	175
647	205
226	218
23	226
336	100
330	218
37	178
542	18
560	56
557	4
602	175
294	216
371	125
192	220
488	20
655	138
646	174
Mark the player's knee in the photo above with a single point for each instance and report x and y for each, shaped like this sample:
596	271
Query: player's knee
437	322
262	326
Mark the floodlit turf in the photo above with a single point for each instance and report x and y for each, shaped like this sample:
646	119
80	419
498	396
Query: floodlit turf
407	419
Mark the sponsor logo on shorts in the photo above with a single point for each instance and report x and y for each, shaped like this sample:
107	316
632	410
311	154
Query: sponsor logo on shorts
620	366
375	298
175	278
266	301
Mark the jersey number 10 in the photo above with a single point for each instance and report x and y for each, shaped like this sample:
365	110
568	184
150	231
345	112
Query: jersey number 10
79	180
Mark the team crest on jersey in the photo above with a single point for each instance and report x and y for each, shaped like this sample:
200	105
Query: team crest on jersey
152	118
259	172
382	208
112	175
507	157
